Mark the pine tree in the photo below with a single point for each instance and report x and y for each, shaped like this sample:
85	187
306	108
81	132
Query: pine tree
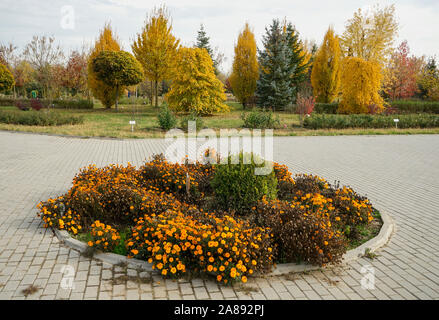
300	58
245	67
275	86
325	76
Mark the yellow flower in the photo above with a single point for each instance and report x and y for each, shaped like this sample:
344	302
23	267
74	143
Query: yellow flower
90	244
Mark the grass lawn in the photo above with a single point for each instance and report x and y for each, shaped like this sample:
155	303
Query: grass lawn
101	122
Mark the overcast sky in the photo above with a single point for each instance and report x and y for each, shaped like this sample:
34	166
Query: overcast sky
223	20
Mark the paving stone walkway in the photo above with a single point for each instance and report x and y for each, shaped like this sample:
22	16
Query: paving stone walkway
400	174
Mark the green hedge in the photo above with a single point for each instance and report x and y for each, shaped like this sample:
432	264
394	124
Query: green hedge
333	121
57	104
401	106
73	104
413	106
328	108
38	118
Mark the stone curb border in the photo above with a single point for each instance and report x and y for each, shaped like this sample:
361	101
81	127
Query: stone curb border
372	245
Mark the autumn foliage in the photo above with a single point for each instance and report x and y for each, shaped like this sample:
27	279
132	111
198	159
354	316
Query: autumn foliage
6	79
156	47
325	76
195	88
245	67
100	90
402	73
360	84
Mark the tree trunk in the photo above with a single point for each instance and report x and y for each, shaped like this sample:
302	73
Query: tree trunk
117	97
156	92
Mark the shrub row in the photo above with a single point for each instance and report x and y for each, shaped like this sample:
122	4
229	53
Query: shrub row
328	108
408	106
399	106
38	118
59	104
332	121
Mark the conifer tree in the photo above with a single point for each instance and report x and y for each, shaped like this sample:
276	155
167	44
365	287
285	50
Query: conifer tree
300	59
275	85
203	42
325	76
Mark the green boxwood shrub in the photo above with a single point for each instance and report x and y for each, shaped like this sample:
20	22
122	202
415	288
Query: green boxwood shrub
38	118
237	187
257	119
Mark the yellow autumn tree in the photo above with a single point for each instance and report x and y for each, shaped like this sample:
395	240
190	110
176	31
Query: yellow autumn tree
106	41
245	71
370	35
360	84
195	88
325	75
156	47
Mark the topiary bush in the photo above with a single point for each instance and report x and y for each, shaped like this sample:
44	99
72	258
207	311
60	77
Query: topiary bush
237	187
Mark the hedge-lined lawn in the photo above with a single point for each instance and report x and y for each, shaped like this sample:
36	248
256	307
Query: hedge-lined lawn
100	122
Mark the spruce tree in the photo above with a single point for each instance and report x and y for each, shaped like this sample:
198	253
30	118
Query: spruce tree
203	40
203	43
275	86
298	59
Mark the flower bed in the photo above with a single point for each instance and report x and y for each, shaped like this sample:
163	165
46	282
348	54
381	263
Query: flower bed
174	216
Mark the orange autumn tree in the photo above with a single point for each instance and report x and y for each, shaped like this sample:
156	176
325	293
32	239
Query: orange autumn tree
106	41
325	75
360	83
245	67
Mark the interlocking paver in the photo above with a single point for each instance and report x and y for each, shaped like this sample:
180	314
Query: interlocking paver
398	173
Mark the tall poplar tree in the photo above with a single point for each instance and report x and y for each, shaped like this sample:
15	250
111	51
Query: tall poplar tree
325	75
245	71
156	47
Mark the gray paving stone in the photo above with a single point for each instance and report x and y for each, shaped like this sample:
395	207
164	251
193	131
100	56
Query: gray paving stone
398	173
